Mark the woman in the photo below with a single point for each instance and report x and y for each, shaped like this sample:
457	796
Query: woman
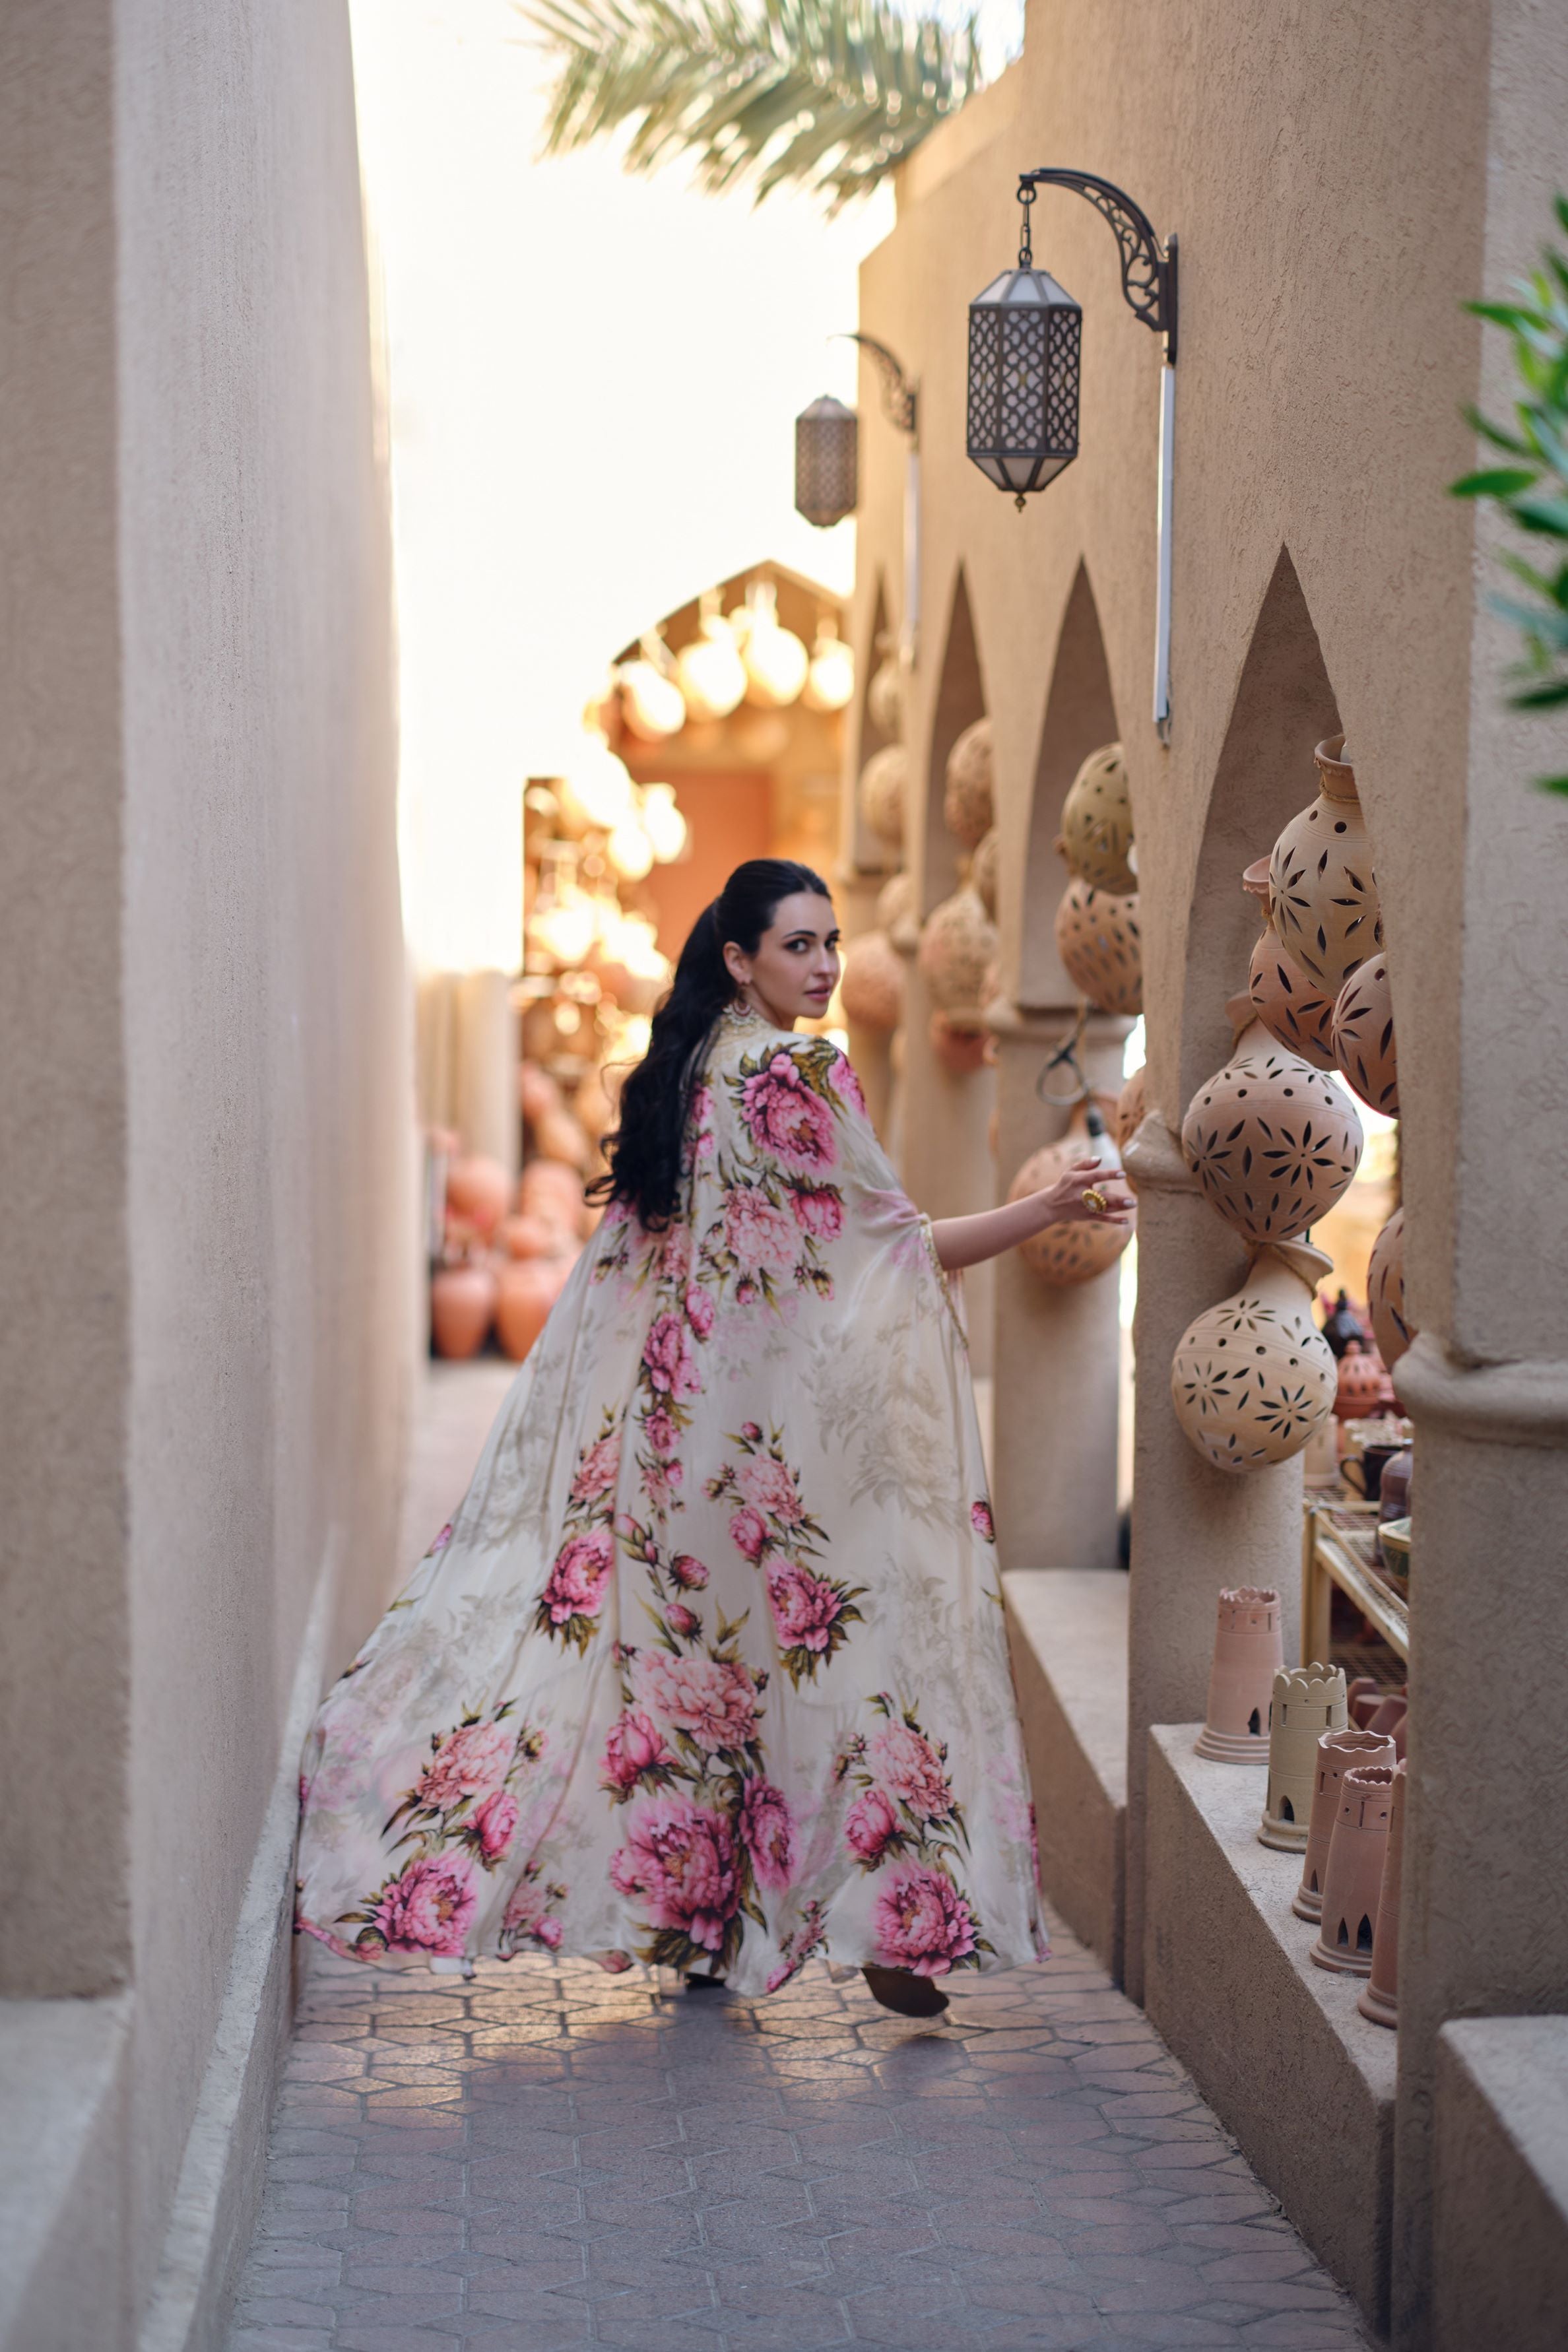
709	1668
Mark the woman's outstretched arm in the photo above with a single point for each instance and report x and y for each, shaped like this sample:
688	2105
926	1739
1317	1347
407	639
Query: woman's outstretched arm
969	1241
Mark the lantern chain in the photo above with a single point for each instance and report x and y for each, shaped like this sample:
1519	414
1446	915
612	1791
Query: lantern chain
1148	267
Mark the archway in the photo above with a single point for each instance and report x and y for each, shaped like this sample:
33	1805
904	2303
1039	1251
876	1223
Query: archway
1080	715
960	701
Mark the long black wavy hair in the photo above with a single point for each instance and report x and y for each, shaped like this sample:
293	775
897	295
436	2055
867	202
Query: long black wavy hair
644	1153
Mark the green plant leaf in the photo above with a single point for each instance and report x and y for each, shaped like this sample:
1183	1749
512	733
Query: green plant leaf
1548	516
1552	784
1549	697
1495	482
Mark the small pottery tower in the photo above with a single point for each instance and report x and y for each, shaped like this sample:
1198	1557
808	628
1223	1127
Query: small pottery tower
1380	1996
1338	1753
1308	1702
1249	1651
1357	1853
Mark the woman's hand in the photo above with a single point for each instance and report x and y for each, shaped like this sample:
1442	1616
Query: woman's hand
969	1241
1088	1193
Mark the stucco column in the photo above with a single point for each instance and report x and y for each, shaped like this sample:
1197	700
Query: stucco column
1194	1529
1056	1352
945	1149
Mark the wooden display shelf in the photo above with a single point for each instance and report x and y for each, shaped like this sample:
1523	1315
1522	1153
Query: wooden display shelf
1339	1539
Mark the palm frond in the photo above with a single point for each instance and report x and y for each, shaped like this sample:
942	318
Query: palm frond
827	95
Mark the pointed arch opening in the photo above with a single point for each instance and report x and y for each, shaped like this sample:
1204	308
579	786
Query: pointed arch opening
1080	716
869	855
960	701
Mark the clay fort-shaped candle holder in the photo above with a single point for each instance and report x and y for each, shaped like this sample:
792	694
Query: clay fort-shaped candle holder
1353	1882
1308	1702
1249	1651
1380	1995
1338	1753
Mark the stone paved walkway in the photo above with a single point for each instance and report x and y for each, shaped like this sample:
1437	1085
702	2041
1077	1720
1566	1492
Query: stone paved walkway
552	2157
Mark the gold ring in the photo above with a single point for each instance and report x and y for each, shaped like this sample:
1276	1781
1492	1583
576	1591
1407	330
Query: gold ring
1094	1198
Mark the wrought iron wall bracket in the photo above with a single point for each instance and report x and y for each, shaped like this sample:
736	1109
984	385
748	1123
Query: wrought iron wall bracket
1148	267
899	398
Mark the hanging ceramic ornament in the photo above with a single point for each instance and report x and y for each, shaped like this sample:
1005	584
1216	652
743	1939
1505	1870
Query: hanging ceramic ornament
1338	1753
957	945
1358	1848
830	680
968	802
1272	1142
710	671
1068	1254
885	694
1097	823
871	986
1249	1651
983	869
1363	1035
884	782
895	913
1386	1291
777	661
1307	1701
1293	1009
652	704
1131	1106
1323	894
1099	943
1253	1378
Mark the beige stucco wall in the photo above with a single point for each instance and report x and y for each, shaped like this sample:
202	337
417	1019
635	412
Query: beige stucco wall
206	1121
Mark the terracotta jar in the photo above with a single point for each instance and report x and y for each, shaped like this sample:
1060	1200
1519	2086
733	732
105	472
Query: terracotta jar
968	803
1097	823
528	1291
1363	1035
1293	1009
1380	1996
1272	1142
548	1189
1249	1651
882	791
476	1190
1098	942
522	1236
885	696
462	1302
957	945
983	869
1323	894
1362	1386
1252	1378
871	986
960	1046
896	913
1358	1848
1338	1752
1386	1291
1130	1105
1068	1254
1307	1701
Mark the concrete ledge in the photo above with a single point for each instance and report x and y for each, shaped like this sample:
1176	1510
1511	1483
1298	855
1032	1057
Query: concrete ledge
1277	2046
1068	1627
64	2069
1500	2260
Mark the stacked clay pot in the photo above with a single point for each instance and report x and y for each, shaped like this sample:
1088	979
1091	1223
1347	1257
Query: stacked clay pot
1385	1292
527	1290
895	913
462	1305
871	986
885	697
883	786
1097	823
983	869
1099	943
1131	1106
1066	1254
1363	1035
1253	1378
1322	893
1272	1142
968	800
957	946
1293	1009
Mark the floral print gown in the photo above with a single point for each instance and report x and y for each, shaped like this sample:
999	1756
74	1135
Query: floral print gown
710	1669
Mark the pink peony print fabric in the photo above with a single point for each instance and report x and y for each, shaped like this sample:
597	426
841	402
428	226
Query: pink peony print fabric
708	1668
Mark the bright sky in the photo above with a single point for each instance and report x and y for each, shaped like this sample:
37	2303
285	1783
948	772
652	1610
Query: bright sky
593	380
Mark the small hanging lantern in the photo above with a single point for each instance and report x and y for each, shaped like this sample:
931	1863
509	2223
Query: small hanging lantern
1026	335
826	462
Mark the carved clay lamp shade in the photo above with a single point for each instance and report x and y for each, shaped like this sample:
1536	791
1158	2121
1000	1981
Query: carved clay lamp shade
1099	943
1380	1995
1323	894
1385	1292
1272	1142
983	869
1295	1013
1068	1254
1249	1651
1307	1701
895	913
881	795
967	806
957	946
712	675
1253	1378
1363	1035
885	697
1338	1752
871	986
1362	1388
1358	1848
1097	823
1131	1106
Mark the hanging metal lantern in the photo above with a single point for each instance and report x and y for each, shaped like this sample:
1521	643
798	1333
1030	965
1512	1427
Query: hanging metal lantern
826	462
1025	336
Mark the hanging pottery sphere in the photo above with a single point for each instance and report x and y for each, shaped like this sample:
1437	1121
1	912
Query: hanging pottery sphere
1272	1142
958	1046
956	948
967	806
1131	1106
871	986
1097	822
712	675
1323	894
983	869
1294	1010
1363	1035
883	785
1099	943
1066	1254
885	698
652	705
830	680
1385	1292
776	662
895	913
1253	1378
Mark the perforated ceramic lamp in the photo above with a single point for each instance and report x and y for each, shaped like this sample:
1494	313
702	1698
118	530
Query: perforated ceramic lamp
1308	1702
1249	1651
1380	1996
1339	1752
1358	1848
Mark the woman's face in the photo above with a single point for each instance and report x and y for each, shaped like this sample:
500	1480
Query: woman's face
795	969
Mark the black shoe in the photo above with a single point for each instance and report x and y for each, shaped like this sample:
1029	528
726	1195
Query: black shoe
704	1984
901	1989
